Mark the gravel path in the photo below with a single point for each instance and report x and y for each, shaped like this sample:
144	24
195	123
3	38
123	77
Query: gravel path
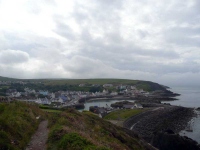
38	140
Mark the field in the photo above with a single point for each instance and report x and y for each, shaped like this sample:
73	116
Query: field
47	108
122	114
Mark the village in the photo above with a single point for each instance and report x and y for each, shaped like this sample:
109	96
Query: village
61	99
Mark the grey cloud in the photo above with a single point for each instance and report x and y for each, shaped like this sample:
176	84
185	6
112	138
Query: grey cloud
179	11
180	80
13	56
123	39
16	40
84	66
99	14
64	30
36	8
183	36
142	33
183	67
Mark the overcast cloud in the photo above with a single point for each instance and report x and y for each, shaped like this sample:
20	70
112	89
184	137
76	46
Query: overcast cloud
147	40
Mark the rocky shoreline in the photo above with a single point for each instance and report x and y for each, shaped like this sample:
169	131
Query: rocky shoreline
160	127
158	119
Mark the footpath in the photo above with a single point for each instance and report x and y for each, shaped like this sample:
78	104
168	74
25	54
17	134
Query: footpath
38	140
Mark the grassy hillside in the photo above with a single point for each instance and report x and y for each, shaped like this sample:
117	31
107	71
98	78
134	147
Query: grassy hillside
7	79
123	114
65	83
145	85
90	81
68	129
17	123
85	131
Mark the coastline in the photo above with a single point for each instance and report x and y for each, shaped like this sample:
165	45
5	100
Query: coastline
175	118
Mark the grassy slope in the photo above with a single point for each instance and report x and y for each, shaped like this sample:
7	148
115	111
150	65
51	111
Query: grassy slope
6	79
69	129
123	114
90	81
146	85
17	124
78	131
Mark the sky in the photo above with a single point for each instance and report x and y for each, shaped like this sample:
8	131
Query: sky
145	40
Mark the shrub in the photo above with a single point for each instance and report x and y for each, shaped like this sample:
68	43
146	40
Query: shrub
73	141
5	141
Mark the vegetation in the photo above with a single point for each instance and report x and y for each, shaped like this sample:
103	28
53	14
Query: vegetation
6	79
121	104
17	123
52	110
68	129
91	85
150	86
122	114
90	81
74	130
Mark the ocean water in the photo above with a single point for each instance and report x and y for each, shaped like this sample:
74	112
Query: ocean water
190	97
102	103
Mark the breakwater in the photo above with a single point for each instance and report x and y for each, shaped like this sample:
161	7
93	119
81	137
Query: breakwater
160	118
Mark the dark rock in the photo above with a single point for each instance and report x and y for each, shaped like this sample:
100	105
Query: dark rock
169	131
166	141
198	108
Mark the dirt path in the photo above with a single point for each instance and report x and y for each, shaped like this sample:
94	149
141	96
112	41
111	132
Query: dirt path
38	140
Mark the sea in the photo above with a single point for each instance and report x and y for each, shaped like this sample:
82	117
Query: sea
190	97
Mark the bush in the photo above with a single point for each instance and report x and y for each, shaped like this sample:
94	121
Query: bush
73	141
5	142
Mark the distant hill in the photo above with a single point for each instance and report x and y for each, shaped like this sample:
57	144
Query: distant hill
145	85
7	79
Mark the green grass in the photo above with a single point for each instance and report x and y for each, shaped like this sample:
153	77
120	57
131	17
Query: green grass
144	86
68	129
44	106
73	130
89	81
122	114
17	123
51	110
63	84
6	79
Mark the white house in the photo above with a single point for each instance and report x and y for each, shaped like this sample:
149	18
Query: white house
43	101
137	105
16	94
128	106
114	93
107	85
53	95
